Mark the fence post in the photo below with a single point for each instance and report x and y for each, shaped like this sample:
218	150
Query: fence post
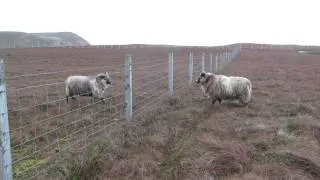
128	86
170	74
226	57
5	147
236	52
211	65
216	68
190	68
202	62
220	61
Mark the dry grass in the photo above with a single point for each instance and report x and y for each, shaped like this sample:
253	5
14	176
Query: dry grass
84	165
275	137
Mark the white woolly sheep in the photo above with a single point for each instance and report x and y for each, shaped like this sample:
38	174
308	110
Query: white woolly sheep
221	87
93	86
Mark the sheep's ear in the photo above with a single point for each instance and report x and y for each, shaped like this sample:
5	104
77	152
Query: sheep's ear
107	74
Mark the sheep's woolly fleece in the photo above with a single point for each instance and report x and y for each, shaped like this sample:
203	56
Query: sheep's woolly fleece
87	86
222	87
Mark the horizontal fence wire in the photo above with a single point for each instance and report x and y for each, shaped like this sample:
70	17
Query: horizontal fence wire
55	101
62	126
58	72
64	149
57	141
155	79
54	81
151	103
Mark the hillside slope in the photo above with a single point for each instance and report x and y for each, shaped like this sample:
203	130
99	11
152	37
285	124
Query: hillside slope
10	39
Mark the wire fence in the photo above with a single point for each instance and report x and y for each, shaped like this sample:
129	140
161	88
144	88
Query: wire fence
43	126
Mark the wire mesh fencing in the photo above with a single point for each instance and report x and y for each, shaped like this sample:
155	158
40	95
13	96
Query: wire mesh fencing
43	125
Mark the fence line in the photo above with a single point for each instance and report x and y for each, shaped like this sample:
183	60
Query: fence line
43	125
288	47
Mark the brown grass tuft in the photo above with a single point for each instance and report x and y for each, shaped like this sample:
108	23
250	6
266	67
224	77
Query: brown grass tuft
86	165
292	109
276	171
316	133
233	158
247	176
290	160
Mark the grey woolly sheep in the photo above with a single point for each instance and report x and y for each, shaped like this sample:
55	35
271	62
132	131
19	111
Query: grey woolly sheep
221	87
93	86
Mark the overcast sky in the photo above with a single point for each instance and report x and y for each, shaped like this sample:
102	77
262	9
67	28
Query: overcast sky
179	22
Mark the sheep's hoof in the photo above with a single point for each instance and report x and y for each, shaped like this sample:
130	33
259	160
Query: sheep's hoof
244	104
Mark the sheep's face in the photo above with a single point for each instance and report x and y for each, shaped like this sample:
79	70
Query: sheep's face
108	82
203	78
104	84
103	80
107	78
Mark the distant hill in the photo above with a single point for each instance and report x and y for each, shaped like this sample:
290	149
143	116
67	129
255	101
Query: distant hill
12	39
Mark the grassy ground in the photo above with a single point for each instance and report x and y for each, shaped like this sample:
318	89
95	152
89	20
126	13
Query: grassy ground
275	137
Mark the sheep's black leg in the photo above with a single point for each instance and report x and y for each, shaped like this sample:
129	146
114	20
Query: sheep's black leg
103	101
219	100
213	101
67	99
